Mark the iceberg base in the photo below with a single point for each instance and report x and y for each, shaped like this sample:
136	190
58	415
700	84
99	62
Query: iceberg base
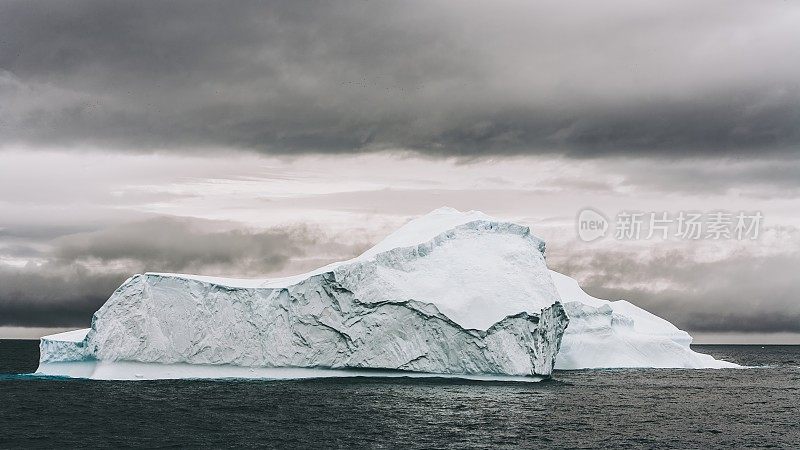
132	370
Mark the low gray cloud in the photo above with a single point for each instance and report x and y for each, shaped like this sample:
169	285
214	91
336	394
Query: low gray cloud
765	179
172	244
744	292
77	273
584	79
53	295
41	230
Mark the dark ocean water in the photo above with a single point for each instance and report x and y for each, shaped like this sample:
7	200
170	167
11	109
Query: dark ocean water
600	408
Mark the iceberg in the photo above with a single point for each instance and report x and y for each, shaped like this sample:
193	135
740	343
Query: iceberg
448	294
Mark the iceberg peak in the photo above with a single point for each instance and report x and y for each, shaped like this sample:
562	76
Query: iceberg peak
425	228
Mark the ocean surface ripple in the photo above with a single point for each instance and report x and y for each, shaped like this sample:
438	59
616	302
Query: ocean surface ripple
731	408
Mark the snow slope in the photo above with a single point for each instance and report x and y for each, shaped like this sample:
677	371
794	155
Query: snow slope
604	334
449	293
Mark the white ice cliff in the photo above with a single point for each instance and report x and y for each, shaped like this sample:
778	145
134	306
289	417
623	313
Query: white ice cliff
450	293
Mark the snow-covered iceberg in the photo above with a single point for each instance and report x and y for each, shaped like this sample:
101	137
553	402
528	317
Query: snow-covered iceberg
449	293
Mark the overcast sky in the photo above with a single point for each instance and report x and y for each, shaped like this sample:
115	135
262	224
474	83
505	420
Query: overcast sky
266	138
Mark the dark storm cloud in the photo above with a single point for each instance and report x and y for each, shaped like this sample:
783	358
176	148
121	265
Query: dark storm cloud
744	292
53	295
170	244
79	272
585	79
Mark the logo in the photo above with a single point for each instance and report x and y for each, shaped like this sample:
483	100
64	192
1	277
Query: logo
592	225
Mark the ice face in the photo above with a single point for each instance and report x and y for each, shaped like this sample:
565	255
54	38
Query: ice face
316	323
474	298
